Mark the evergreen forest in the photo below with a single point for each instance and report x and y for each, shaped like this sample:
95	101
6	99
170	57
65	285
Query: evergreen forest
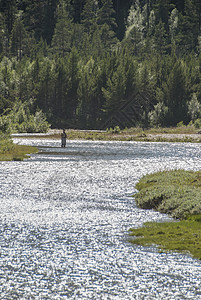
93	64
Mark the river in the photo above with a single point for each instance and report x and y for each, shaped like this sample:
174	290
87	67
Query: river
64	220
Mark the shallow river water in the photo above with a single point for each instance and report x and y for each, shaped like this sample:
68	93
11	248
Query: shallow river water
64	220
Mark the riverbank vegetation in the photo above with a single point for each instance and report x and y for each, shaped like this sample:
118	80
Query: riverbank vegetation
173	134
9	151
100	64
183	236
177	193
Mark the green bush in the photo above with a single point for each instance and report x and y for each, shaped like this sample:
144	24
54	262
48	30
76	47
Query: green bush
5	124
158	116
6	143
180	124
197	123
114	130
21	120
177	193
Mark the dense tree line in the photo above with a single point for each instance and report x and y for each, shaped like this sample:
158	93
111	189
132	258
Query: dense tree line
79	62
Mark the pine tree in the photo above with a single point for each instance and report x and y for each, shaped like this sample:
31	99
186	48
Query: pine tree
162	9
77	6
45	88
9	82
106	14
107	24
9	9
73	75
20	41
89	14
176	93
136	28
4	37
114	93
49	20
34	17
173	25
160	39
61	87
39	17
187	37
63	35
88	101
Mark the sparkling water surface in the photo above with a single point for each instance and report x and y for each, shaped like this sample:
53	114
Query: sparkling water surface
64	220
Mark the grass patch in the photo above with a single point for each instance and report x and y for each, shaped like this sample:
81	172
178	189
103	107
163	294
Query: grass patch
177	193
9	151
183	236
176	134
137	134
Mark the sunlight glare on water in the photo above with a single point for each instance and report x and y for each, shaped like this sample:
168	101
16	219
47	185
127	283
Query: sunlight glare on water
65	215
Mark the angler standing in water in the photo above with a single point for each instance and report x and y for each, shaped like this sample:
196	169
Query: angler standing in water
63	138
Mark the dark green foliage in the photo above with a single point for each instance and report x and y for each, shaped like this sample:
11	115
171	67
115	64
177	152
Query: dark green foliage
63	35
81	61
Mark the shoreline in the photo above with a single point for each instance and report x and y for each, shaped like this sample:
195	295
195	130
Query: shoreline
12	152
132	134
178	194
171	236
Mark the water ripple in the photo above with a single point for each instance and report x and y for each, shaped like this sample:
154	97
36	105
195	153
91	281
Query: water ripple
65	215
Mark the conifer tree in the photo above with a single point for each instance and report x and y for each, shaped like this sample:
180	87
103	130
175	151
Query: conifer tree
107	24
89	14
106	14
173	25
136	27
187	37
39	17
62	38
9	9
88	100
114	93
176	93
61	86
20	42
160	38
9	82
73	75
4	37
45	88
77	7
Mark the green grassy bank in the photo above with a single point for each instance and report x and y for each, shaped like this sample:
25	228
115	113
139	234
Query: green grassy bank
9	151
176	134
177	193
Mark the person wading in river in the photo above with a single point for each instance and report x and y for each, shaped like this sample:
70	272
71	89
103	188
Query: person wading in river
63	138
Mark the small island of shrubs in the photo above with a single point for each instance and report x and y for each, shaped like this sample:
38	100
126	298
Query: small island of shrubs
177	193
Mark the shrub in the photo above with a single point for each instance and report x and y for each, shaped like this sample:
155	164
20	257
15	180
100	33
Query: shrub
197	123
116	129
20	120
158	116
6	143
180	124
177	192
